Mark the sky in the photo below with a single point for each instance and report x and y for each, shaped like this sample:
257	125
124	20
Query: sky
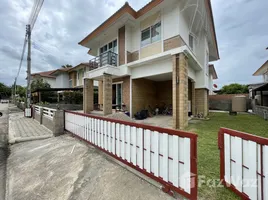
241	28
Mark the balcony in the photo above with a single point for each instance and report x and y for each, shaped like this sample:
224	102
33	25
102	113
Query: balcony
107	58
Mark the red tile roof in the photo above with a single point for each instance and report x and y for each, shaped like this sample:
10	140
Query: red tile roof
45	74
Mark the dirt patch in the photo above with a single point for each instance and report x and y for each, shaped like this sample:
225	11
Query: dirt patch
120	116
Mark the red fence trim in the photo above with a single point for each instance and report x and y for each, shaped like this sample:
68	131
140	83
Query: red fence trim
168	187
245	136
138	125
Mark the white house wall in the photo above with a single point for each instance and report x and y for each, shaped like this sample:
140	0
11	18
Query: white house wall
62	81
155	68
170	21
191	73
50	81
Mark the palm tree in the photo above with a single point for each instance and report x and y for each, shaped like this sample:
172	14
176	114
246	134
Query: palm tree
66	66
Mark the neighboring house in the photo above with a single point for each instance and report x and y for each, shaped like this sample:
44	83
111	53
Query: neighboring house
158	54
77	73
62	77
46	77
263	71
259	91
212	76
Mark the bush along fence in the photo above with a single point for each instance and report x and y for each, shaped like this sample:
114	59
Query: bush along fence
244	163
164	155
51	118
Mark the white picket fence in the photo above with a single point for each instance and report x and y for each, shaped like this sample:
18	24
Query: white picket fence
49	112
244	163
37	108
168	156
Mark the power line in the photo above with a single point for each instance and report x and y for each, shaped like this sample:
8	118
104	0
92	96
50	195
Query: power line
21	60
22	56
35	12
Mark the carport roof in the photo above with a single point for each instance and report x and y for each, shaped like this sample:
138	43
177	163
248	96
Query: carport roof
263	87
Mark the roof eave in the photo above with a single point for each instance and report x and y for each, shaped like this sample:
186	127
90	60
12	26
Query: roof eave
213	29
126	8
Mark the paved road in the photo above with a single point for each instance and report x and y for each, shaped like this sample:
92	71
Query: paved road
3	147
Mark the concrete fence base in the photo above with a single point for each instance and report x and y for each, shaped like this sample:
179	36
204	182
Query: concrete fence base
54	121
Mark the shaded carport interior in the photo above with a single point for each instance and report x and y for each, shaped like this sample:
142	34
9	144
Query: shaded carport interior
261	94
155	91
260	101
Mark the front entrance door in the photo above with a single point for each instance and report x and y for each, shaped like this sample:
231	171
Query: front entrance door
117	95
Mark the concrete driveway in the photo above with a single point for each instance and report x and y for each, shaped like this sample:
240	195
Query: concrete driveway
64	168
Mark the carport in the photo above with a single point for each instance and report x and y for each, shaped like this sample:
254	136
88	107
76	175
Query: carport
156	91
260	100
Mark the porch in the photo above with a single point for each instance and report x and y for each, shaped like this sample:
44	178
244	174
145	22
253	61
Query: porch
169	87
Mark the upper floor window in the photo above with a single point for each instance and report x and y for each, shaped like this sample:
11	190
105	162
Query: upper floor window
151	34
191	41
112	46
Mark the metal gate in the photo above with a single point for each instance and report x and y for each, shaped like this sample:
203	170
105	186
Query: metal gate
244	163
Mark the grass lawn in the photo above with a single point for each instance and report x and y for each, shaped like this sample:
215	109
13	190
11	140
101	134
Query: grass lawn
208	153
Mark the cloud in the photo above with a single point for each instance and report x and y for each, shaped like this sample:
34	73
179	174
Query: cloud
242	34
241	27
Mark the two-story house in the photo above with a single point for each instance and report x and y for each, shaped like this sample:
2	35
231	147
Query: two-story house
158	54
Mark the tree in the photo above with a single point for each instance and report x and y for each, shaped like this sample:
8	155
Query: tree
39	84
21	91
234	88
66	66
5	91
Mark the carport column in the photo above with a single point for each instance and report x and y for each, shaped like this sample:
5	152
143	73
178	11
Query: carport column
88	95
180	91
107	94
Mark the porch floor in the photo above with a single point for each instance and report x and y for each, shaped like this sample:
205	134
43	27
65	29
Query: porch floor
164	121
158	120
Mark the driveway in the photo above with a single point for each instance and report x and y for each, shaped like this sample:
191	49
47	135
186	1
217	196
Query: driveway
64	168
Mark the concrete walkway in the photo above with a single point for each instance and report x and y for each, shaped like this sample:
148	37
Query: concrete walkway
63	168
25	129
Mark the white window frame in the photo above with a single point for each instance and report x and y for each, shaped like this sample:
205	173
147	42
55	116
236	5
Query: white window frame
191	35
107	44
150	29
71	85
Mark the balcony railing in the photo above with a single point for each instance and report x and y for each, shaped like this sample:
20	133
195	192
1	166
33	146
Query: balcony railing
107	58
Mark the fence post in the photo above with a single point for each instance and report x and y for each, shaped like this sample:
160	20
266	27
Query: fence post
193	167
221	148
58	122
41	115
64	120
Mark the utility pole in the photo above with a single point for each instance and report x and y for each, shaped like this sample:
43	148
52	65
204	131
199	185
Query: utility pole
28	32
14	95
